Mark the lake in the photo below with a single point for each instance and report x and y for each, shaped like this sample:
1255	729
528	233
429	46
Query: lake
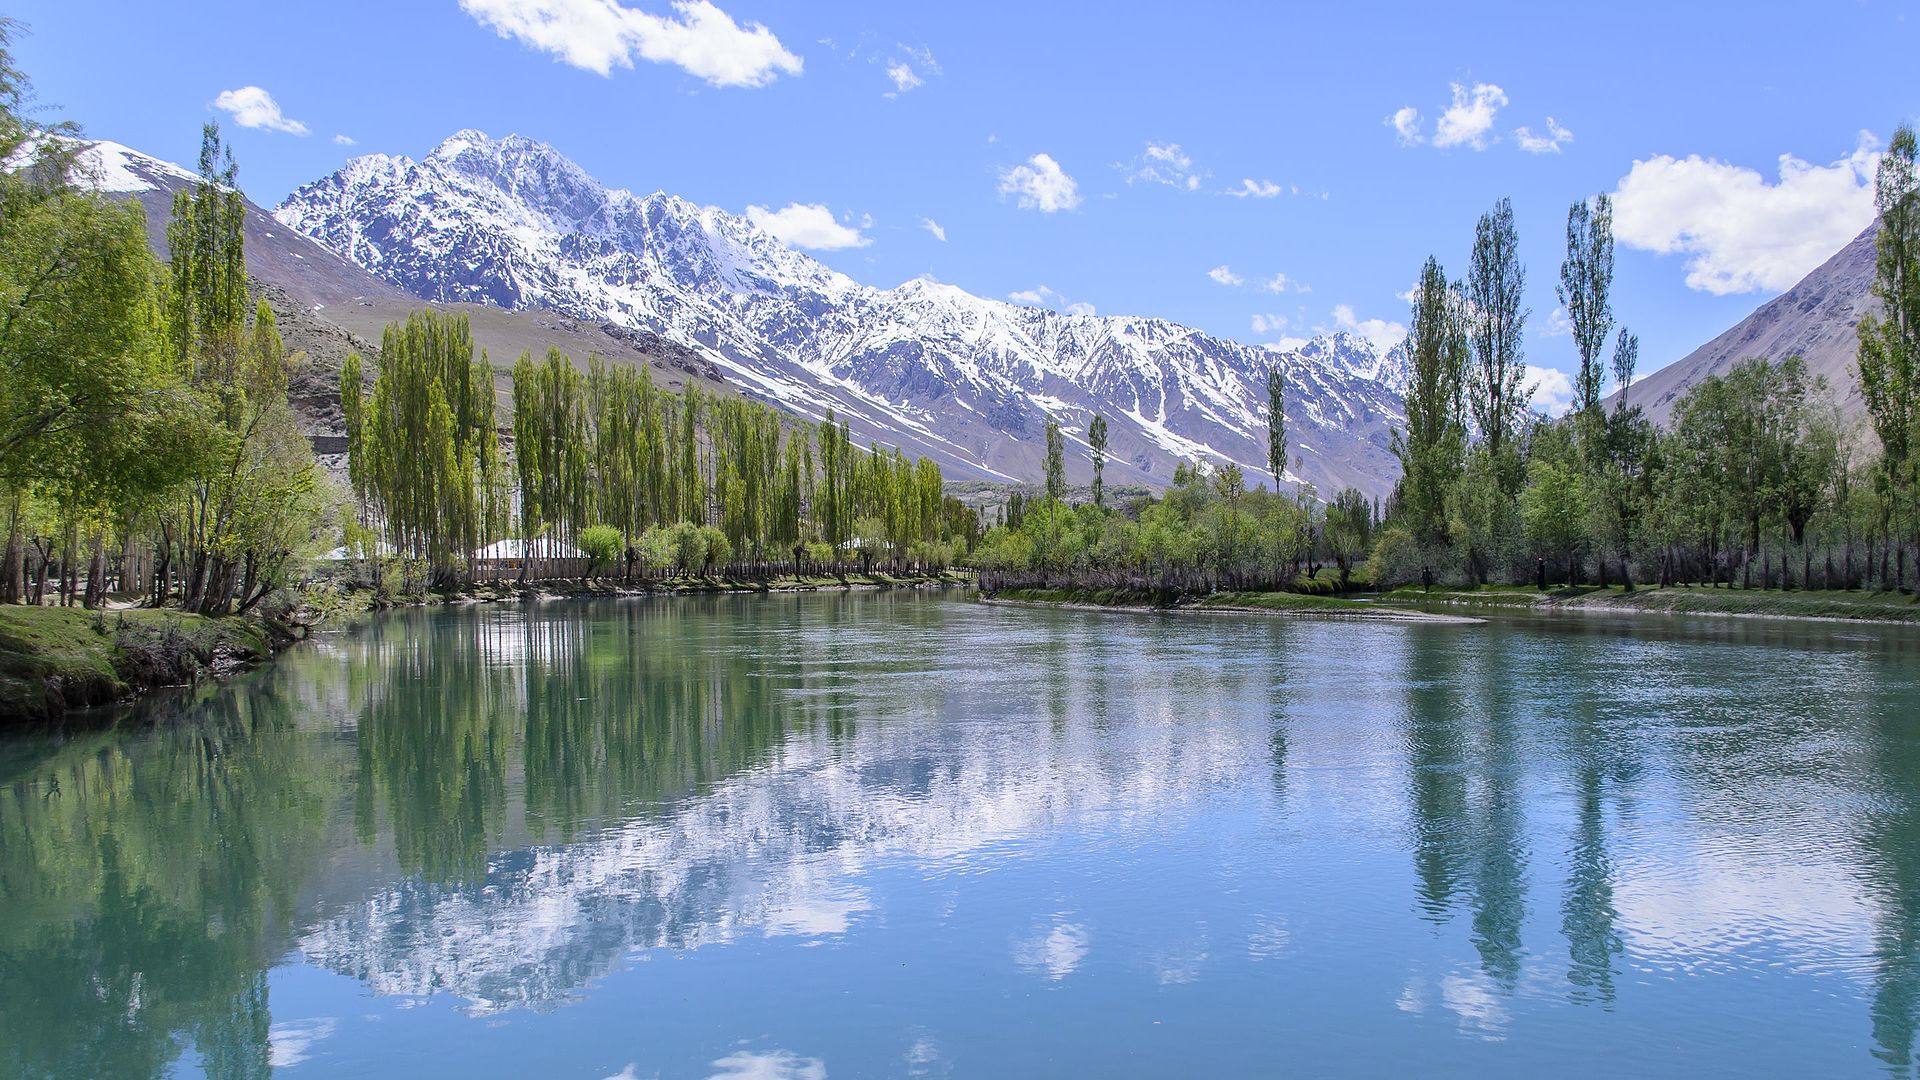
906	834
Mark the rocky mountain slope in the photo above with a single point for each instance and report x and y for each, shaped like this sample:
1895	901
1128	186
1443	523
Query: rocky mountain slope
328	306
513	224
1815	319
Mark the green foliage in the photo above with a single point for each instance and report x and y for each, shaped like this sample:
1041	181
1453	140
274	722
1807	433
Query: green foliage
1586	284
602	545
1097	447
1056	461
1433	443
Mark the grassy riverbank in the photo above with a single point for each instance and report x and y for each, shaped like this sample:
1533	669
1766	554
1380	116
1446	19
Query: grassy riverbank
1696	600
53	659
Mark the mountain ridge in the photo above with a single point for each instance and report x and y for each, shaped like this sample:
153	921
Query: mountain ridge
967	380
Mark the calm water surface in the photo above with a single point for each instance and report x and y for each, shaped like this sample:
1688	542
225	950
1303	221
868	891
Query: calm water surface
908	835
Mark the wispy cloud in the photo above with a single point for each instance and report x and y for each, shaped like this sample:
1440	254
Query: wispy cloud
1165	164
1224	275
1550	143
1255	189
935	228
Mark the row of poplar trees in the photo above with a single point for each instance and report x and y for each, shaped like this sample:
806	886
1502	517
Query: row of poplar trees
1755	480
146	442
632	474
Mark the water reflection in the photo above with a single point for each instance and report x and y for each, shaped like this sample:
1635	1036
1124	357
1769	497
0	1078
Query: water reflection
506	807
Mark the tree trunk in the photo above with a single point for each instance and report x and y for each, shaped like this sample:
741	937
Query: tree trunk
97	574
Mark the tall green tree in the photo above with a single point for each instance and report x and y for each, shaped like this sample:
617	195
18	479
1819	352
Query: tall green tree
1276	425
1586	284
1056	461
1097	448
1495	286
1432	445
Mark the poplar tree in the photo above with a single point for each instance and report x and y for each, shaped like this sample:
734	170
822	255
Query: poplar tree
1276	425
1056	461
1097	448
1586	279
1496	283
1433	443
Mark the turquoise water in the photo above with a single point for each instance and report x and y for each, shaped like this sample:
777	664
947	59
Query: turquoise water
910	835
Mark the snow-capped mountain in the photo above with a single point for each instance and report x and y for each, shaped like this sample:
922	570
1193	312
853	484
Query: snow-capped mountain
925	365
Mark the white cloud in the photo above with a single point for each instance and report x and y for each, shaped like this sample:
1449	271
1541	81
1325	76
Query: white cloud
808	226
1405	123
1559	323
778	1065
1281	283
1382	334
1469	119
903	77
1740	232
1410	295
1164	164
1040	184
1257	189
598	35
1550	390
934	227
1550	143
1225	275
343	140
1269	324
1291	344
252	107
1080	308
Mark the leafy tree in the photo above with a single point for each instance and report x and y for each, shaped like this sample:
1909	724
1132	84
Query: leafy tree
1056	461
1586	280
1097	448
1431	447
1496	283
1276	425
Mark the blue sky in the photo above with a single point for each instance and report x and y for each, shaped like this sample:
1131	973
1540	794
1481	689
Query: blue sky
1041	139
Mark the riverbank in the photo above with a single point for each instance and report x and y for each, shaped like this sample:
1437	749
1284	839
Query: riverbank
1298	605
1819	605
328	602
55	659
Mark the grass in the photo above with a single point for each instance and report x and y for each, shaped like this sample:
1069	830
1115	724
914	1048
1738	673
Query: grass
1695	600
53	659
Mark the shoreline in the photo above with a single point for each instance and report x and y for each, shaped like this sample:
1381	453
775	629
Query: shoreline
1679	602
1412	607
59	661
1301	607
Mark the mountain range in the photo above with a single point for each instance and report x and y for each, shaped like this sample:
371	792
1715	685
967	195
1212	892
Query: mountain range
513	224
